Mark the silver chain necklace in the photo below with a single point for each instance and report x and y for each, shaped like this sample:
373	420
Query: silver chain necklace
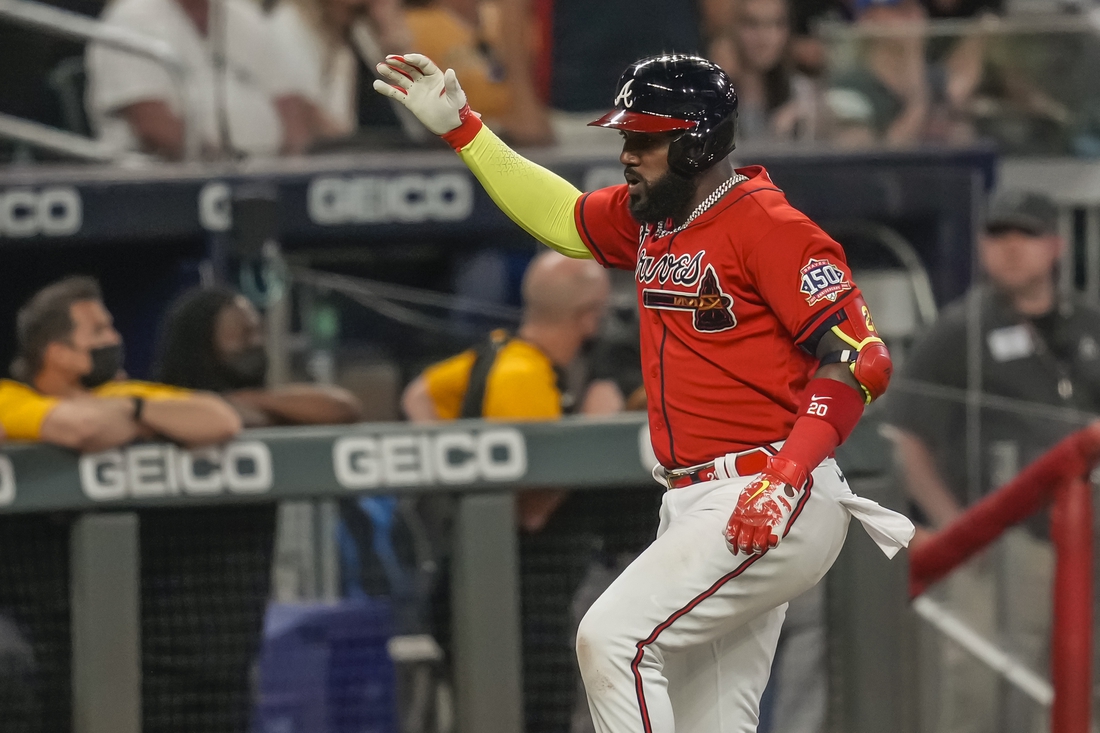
708	202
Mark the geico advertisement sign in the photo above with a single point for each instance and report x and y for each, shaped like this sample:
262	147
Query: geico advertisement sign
411	197
450	457
7	481
153	471
51	212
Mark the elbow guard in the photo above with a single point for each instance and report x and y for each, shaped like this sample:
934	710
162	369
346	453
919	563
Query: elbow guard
868	357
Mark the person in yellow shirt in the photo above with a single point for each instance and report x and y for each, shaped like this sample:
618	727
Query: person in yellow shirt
67	388
563	306
564	301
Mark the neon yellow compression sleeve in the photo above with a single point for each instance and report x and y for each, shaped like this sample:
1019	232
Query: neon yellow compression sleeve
538	200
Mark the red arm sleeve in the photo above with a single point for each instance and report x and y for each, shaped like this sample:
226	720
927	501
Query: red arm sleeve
607	228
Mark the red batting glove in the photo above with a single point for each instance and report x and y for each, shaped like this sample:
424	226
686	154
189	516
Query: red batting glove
765	507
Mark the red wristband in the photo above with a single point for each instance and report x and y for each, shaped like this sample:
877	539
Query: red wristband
464	134
829	412
834	402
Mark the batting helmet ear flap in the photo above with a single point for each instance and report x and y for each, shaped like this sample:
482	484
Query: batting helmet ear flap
699	149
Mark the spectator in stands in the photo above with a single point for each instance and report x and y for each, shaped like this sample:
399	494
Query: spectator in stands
775	102
213	339
324	42
243	101
1041	352
462	35
216	562
70	390
888	97
807	49
568	55
518	378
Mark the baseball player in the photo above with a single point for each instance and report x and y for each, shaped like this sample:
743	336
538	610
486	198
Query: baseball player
759	355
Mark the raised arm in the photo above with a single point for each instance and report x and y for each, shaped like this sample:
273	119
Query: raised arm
540	201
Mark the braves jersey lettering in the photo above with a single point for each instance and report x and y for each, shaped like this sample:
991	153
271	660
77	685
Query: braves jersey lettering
682	270
725	304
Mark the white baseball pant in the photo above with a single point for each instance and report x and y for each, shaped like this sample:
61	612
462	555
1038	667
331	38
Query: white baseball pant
683	639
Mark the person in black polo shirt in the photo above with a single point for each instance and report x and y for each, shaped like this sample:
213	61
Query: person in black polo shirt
1034	356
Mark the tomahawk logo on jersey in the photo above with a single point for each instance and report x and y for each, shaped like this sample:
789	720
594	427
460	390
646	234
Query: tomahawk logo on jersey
756	282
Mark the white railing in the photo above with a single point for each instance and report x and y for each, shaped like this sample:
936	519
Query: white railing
65	24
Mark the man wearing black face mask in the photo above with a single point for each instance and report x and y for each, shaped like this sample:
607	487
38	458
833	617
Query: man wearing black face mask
213	340
69	388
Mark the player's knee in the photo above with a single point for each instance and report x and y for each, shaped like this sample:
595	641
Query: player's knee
599	641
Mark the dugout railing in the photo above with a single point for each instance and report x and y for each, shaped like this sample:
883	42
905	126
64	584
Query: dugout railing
1061	476
486	463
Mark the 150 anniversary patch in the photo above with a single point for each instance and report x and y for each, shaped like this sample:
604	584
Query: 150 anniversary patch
822	280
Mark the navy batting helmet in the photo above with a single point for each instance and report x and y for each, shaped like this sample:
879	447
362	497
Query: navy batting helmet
677	92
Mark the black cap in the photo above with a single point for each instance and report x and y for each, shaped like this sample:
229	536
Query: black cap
1025	211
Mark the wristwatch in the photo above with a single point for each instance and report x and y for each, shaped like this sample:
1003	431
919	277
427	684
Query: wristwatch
139	408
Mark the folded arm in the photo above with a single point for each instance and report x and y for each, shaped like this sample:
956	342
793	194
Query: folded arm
198	419
297	404
90	424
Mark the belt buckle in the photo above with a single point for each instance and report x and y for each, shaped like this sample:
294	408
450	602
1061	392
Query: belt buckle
692	473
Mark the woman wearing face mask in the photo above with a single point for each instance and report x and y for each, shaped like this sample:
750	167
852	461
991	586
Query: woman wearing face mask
213	340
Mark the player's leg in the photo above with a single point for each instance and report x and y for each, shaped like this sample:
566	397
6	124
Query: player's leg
687	590
711	686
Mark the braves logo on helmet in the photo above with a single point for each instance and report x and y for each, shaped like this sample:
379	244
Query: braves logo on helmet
822	280
626	95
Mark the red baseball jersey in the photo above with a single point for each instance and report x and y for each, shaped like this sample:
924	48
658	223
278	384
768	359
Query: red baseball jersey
725	304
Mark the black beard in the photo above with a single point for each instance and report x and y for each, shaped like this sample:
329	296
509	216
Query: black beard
666	198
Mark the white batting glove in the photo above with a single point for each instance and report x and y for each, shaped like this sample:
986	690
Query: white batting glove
434	96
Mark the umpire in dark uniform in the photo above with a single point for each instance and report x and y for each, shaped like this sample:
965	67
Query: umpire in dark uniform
1032	357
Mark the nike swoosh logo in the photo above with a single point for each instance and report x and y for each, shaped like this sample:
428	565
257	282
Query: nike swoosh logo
815	398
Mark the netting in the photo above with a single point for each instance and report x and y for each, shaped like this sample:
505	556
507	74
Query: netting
207	665
35	648
204	587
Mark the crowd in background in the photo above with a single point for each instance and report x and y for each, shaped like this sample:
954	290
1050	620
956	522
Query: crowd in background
291	76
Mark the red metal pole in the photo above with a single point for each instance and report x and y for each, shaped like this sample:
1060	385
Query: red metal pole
1071	642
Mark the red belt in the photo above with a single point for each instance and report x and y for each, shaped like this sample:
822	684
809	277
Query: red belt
749	463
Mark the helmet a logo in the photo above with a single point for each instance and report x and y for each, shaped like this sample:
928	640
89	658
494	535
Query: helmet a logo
626	95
